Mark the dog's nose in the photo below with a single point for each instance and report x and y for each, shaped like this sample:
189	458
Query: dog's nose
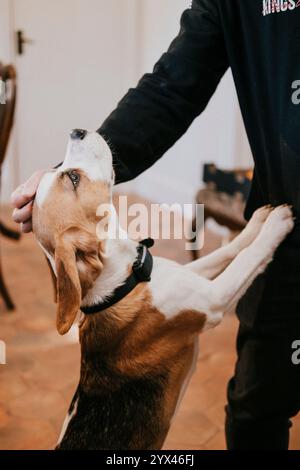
78	134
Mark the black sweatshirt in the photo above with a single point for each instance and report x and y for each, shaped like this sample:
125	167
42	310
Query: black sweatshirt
260	41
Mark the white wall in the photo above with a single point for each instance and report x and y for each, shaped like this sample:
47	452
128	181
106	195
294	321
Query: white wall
5	33
81	63
218	135
73	75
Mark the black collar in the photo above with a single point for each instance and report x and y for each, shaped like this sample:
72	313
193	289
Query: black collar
141	272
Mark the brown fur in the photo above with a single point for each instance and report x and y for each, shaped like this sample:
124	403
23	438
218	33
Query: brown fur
135	340
72	217
130	348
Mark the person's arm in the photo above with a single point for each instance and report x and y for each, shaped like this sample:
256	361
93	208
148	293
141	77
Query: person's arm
155	114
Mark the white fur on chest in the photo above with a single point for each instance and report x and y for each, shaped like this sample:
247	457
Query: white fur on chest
175	289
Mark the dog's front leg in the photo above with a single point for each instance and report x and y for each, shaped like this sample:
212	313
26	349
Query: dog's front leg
213	264
229	287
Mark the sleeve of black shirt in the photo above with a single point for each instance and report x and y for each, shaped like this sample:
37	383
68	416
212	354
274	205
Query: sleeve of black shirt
155	114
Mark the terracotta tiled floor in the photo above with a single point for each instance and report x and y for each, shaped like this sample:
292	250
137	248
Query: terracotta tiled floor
42	368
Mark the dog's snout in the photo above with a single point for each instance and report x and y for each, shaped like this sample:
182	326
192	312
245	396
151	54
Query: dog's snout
78	134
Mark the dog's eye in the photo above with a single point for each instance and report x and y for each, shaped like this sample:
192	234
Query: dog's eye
74	177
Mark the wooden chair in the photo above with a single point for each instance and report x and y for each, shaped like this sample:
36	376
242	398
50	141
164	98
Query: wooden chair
7	111
224	198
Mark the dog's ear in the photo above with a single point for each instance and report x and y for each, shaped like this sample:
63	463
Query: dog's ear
68	284
53	278
78	264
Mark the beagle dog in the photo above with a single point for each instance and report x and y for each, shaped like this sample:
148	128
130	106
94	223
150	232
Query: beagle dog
138	349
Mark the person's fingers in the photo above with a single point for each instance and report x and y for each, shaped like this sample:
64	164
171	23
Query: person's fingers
22	200
17	198
27	226
22	215
26	192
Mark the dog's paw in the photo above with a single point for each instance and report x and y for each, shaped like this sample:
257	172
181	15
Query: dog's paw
254	226
278	225
260	215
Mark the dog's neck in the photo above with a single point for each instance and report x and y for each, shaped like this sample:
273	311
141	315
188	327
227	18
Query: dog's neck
118	256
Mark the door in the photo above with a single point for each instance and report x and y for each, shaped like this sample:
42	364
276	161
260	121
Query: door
78	64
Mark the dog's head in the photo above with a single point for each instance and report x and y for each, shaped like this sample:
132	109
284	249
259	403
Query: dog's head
65	219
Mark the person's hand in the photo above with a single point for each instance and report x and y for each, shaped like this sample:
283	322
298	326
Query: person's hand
22	200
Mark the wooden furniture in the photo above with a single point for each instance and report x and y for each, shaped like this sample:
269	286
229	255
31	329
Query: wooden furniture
7	111
224	198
